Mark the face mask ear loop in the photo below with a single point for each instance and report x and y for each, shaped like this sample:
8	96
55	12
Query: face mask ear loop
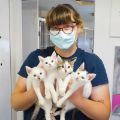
76	36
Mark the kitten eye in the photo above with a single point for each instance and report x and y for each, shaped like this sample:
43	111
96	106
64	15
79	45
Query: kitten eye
34	75
83	77
78	73
68	66
46	62
62	66
52	61
40	73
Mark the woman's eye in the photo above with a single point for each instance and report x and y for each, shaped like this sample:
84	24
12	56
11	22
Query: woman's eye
67	28
54	29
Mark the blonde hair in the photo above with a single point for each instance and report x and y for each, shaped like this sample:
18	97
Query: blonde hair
63	14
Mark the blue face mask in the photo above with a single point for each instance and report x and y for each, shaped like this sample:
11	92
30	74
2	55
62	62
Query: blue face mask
62	40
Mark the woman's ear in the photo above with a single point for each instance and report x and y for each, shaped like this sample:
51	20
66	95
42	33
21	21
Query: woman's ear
79	30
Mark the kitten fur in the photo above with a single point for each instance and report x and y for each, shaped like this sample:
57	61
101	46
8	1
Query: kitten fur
77	79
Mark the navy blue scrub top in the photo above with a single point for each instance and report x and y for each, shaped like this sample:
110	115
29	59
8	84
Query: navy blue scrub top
93	64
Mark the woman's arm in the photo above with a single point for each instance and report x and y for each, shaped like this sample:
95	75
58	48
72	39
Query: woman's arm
21	99
99	107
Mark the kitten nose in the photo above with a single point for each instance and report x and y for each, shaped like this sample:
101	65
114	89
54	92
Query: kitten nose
39	78
65	70
49	64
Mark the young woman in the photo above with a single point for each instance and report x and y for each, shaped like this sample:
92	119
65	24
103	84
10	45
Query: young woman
65	25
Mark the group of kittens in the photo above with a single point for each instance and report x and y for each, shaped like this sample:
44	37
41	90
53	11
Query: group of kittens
60	82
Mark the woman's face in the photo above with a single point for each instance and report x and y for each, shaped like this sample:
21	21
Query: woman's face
64	36
66	28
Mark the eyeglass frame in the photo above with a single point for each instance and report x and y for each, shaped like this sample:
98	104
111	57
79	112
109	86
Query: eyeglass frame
59	29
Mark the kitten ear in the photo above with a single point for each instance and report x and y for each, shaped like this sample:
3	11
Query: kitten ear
73	60
28	69
91	76
40	65
41	59
54	55
82	66
59	59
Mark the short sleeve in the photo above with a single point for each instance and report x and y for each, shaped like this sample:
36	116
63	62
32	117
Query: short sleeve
31	61
95	65
99	70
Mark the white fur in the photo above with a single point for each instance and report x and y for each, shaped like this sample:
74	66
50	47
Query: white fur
50	64
33	80
35	76
64	69
74	81
60	83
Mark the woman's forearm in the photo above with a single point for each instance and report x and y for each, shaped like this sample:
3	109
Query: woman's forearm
93	109
23	100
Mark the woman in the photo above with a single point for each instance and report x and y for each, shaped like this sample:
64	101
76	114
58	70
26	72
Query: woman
65	25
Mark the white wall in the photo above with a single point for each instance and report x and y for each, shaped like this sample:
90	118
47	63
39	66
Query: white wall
5	81
104	44
29	27
16	45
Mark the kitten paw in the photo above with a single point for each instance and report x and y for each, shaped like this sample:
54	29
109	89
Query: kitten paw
48	96
55	99
62	118
62	92
59	104
41	102
48	118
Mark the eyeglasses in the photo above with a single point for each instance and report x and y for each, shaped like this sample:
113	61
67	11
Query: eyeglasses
67	30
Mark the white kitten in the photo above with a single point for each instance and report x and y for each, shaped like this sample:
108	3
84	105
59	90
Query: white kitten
74	81
35	76
85	77
50	64
65	68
